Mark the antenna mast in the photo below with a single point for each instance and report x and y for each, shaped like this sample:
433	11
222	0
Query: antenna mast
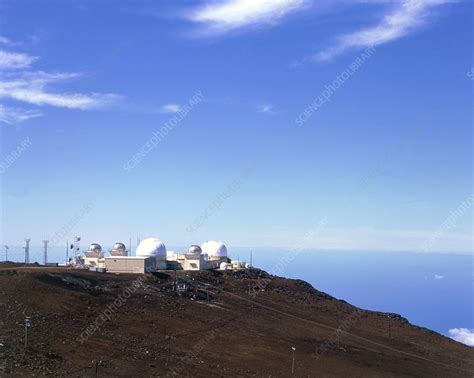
45	255
6	252
27	251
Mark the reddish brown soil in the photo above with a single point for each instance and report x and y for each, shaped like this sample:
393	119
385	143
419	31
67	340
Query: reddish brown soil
239	330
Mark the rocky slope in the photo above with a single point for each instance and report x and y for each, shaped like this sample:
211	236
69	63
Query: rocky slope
218	324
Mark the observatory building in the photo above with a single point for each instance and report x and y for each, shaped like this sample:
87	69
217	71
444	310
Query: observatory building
209	255
150	256
94	256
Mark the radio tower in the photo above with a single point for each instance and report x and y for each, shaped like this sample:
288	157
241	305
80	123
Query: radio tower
77	248
6	252
45	256
27	251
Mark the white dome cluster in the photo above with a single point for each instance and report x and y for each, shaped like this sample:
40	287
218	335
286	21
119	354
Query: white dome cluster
152	247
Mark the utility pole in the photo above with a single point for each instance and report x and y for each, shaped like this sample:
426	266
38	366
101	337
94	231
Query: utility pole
293	361
97	363
27	251
6	252
45	254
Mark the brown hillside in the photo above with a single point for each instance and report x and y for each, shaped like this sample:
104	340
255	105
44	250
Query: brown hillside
224	324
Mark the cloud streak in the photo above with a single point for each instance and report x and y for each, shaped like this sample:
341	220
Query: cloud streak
266	109
13	61
15	115
19	84
230	15
170	108
403	19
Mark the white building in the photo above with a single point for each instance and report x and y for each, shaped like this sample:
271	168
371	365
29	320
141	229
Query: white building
209	255
152	255
130	264
94	256
155	248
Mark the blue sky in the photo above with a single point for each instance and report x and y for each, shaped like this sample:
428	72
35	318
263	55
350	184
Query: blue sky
384	161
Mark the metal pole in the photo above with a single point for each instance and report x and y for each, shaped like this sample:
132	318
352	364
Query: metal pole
26	333
45	257
293	361
27	251
6	252
67	250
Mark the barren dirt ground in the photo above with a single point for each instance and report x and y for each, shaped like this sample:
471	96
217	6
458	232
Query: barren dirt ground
242	323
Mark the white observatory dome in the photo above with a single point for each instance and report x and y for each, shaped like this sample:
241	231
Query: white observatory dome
152	247
195	250
94	247
223	266
214	249
95	250
119	247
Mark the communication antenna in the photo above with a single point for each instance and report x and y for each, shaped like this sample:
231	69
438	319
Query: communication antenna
76	247
6	252
251	258
45	255
27	251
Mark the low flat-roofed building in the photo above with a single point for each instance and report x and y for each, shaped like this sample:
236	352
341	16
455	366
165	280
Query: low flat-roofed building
130	264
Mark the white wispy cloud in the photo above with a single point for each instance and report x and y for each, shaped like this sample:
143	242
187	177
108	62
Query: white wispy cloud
12	61
19	84
266	108
462	335
15	115
229	15
170	108
403	18
31	88
4	40
438	277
